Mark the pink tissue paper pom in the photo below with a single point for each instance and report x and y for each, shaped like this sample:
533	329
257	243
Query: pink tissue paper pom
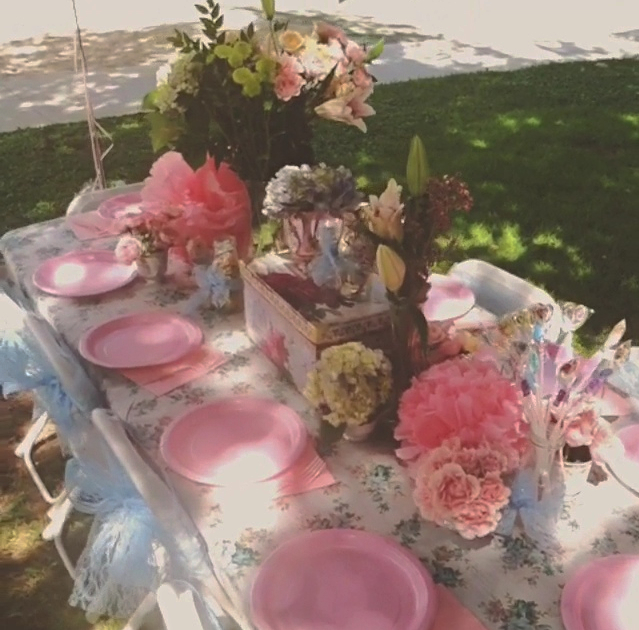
462	398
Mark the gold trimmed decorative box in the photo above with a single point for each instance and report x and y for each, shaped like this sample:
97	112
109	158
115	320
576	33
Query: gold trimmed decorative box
293	338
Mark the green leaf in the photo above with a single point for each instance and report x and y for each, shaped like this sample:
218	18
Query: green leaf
375	52
215	12
265	237
149	100
202	9
164	131
219	22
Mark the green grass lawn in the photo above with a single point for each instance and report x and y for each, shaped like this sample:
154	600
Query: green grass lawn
551	154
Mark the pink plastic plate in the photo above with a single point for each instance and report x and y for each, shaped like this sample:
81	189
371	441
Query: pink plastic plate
234	441
602	595
120	206
140	340
629	437
447	299
83	273
341	579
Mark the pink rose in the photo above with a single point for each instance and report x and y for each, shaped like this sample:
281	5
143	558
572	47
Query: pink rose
289	80
494	492
447	491
128	250
475	520
355	53
581	429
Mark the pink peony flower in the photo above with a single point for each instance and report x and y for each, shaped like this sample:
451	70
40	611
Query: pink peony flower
289	80
463	398
494	492
476	519
443	494
128	250
209	204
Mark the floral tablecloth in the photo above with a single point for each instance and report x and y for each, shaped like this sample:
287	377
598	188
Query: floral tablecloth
508	583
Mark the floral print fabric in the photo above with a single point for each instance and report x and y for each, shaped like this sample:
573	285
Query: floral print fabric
507	582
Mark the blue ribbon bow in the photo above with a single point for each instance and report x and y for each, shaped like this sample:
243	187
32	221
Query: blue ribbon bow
330	267
538	517
214	288
117	568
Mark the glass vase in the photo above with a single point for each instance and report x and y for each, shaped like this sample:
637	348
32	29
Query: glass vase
153	266
300	232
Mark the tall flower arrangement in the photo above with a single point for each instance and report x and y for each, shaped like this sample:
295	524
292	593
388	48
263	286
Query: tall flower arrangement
249	97
404	229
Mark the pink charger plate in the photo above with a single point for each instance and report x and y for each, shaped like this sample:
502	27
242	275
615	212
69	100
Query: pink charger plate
120	206
603	595
140	340
341	579
448	299
83	273
234	441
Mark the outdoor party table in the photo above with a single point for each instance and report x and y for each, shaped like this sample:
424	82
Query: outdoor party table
508	583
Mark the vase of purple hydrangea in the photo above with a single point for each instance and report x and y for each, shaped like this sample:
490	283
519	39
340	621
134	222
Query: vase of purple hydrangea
302	197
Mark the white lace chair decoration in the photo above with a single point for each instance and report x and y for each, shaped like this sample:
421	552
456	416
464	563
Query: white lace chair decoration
123	560
189	558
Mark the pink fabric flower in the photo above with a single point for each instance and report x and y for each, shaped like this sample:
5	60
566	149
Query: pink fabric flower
128	250
494	492
443	494
209	204
289	80
463	398
476	519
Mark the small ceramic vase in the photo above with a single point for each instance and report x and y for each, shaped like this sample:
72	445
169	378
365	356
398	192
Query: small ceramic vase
153	266
360	432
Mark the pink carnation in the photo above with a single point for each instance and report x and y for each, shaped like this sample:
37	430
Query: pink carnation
463	398
128	250
445	492
476	519
494	492
289	80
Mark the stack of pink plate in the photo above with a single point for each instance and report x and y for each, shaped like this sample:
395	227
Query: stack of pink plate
341	579
448	299
603	595
140	340
235	441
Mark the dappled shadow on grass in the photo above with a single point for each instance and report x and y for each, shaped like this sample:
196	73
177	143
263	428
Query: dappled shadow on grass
35	584
550	154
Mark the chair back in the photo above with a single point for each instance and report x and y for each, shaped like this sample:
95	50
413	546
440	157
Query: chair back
187	550
87	201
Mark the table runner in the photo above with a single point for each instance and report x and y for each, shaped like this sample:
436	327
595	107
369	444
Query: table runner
507	583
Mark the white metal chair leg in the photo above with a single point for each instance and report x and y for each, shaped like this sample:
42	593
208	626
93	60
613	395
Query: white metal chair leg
143	611
25	449
59	515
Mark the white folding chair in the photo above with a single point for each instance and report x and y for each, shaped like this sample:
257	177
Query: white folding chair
189	558
500	292
87	201
178	609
